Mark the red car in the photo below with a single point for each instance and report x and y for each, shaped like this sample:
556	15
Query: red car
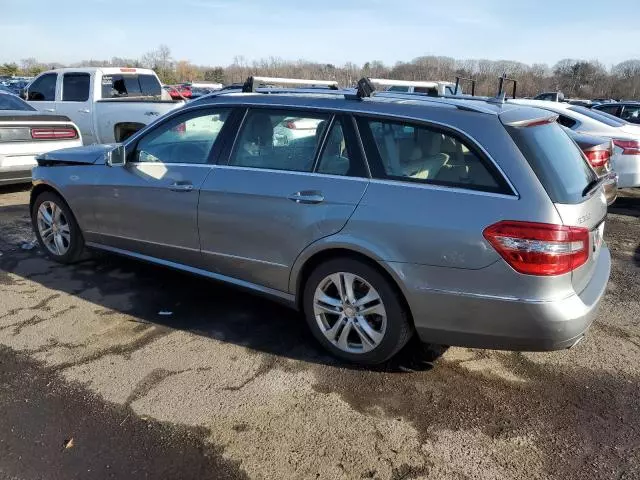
179	92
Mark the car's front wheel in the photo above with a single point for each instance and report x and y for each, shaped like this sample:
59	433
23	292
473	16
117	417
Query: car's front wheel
56	228
355	312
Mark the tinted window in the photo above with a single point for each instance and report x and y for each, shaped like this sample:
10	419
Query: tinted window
279	140
416	153
187	138
11	102
610	109
339	157
566	121
556	160
631	113
43	89
396	88
149	85
117	86
431	91
599	116
75	87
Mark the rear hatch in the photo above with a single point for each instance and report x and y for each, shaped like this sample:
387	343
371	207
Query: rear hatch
571	183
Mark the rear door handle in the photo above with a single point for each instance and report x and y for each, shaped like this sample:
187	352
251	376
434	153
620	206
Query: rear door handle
181	187
307	196
84	110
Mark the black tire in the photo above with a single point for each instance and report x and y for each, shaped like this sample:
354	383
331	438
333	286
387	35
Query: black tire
399	329
76	243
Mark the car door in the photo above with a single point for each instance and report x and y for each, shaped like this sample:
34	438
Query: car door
149	206
283	188
75	102
41	94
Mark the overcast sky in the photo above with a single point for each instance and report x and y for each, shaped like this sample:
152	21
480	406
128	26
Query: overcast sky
212	32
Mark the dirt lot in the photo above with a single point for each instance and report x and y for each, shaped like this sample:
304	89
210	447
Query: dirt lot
95	383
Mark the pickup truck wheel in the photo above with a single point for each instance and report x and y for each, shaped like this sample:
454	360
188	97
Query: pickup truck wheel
56	228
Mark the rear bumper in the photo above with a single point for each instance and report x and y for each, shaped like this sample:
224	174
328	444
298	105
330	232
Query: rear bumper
15	174
503	323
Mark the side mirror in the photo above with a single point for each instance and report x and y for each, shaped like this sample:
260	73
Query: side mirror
117	157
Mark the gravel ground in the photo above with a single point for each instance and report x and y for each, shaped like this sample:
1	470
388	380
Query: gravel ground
95	383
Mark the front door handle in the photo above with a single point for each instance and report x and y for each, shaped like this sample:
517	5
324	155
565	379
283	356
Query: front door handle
48	109
181	187
84	110
307	196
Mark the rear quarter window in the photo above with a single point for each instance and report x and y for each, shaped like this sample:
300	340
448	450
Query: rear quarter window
556	160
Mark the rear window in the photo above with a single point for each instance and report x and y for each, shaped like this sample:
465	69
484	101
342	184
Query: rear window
119	86
603	117
556	160
11	102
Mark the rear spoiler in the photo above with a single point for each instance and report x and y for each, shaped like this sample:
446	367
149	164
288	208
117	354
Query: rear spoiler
527	117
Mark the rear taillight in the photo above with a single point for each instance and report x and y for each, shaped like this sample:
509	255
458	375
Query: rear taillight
598	158
539	248
290	124
53	133
629	147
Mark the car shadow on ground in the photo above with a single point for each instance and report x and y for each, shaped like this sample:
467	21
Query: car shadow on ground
176	300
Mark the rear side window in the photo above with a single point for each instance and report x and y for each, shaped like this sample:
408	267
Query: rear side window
75	87
556	160
610	109
118	86
416	153
566	121
280	140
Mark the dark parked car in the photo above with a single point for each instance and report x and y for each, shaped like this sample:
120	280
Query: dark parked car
628	111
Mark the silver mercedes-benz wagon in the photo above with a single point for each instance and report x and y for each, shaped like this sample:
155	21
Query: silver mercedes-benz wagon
379	215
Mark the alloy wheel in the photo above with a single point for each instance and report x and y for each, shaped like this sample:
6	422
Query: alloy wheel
53	228
350	312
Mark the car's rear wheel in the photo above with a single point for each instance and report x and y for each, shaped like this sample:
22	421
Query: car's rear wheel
355	312
56	228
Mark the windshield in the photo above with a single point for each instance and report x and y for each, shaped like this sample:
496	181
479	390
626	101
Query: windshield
599	116
11	102
556	159
135	85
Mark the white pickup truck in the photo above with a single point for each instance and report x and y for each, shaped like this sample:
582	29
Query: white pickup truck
108	104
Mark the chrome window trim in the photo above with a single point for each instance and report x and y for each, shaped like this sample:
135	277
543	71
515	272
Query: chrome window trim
291	172
433	186
333	110
461	133
181	164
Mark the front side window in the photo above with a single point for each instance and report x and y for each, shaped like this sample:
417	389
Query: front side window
75	87
280	140
43	89
610	109
402	151
187	138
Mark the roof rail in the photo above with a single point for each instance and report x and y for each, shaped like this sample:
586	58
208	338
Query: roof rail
473	85
254	82
501	81
402	83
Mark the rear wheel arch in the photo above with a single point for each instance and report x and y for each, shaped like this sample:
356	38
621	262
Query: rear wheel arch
327	254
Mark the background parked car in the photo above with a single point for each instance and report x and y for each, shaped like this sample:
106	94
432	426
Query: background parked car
26	133
599	152
625	136
627	111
